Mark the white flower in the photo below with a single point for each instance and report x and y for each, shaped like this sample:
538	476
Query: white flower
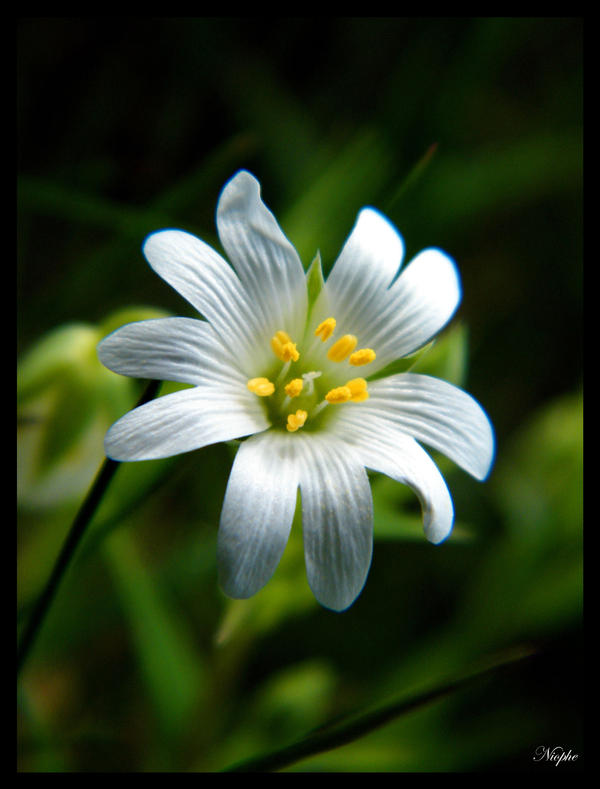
294	377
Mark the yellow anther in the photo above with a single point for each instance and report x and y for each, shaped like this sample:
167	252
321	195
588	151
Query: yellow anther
261	386
295	421
340	349
289	352
281	337
325	329
294	387
363	356
358	388
283	347
340	394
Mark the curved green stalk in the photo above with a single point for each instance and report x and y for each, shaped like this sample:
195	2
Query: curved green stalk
339	734
76	532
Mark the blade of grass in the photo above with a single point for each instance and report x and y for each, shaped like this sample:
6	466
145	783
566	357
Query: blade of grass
170	665
72	541
337	735
412	177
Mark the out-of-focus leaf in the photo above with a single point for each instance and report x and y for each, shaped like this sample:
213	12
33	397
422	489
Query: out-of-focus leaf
67	400
170	665
287	594
43	486
507	174
325	208
71	412
49	197
358	726
532	577
285	706
47	757
297	697
128	315
444	357
394	513
539	479
447	356
130	489
413	176
61	350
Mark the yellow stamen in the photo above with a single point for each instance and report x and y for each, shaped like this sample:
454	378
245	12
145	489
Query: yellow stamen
294	387
340	394
358	388
325	329
295	421
261	386
360	397
363	356
289	352
283	347
340	349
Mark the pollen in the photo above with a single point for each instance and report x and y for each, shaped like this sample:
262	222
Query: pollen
340	394
325	329
294	387
283	347
340	349
363	356
296	421
261	386
289	352
358	390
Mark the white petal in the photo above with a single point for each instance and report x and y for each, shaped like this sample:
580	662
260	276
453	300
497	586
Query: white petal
171	349
257	513
337	520
386	449
181	422
211	286
421	302
397	321
438	414
367	264
267	264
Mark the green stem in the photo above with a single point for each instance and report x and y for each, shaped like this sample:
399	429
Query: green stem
413	175
76	532
342	734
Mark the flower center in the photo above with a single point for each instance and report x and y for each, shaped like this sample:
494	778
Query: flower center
298	395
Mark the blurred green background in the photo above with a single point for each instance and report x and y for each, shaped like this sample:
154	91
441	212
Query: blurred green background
467	133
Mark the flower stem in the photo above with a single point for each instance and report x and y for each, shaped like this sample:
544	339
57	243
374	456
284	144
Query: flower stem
76	532
337	734
283	373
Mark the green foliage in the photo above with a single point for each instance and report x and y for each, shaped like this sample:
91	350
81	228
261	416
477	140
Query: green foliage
467	134
314	280
169	664
66	400
444	357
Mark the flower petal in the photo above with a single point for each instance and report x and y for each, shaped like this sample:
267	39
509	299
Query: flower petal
337	519
386	449
257	513
267	264
438	414
367	264
395	322
421	302
211	286
171	349
183	421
